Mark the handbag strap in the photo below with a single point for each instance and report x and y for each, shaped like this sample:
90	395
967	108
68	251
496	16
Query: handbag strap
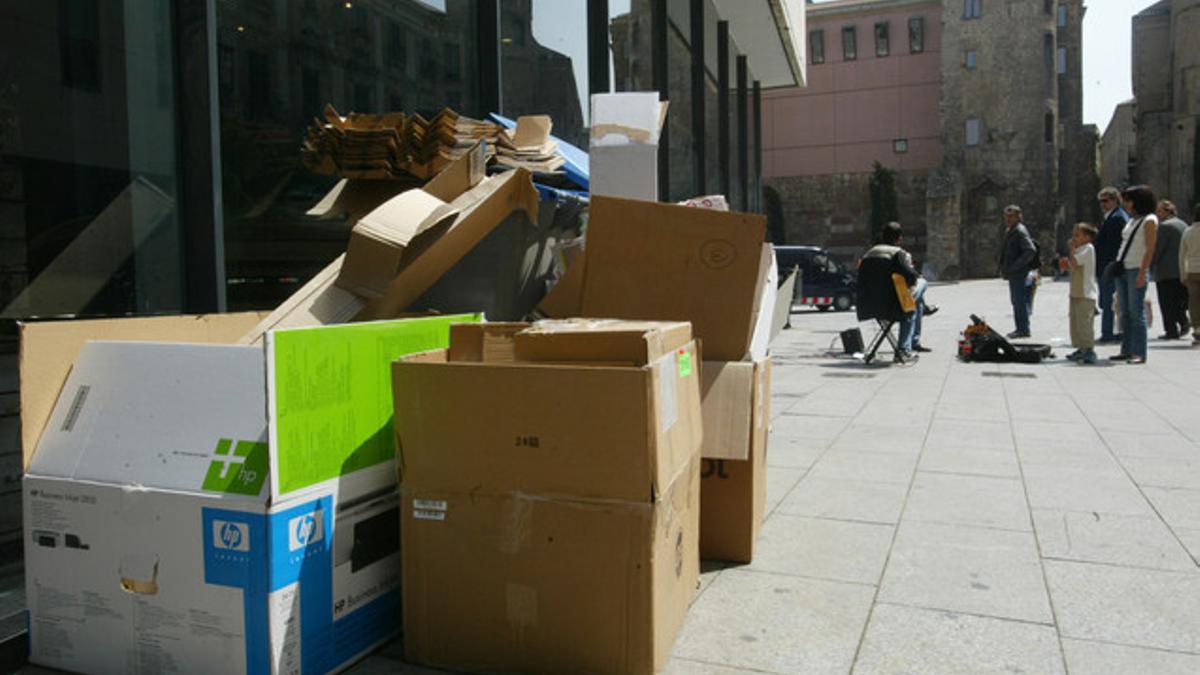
1125	249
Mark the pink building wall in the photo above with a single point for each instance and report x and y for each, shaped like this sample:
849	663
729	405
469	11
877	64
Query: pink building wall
851	111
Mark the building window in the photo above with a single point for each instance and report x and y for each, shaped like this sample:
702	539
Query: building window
397	47
1062	16
974	131
849	44
451	61
969	60
1049	127
972	9
1062	61
79	44
1048	6
882	46
816	46
916	35
1048	49
900	146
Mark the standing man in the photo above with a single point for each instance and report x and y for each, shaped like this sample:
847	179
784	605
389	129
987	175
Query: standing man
1016	259
1108	245
1164	268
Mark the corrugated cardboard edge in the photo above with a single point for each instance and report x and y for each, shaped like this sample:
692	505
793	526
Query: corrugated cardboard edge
497	197
566	298
730	381
49	349
317	302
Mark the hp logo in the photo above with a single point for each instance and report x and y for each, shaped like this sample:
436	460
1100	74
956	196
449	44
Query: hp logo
231	536
305	530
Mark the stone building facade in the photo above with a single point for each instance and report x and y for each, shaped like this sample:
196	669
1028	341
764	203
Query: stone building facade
1166	112
1008	120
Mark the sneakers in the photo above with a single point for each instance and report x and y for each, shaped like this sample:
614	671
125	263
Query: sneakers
918	347
1018	334
1088	358
1120	357
1075	355
930	310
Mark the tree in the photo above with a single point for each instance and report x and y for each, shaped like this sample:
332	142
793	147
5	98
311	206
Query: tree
883	198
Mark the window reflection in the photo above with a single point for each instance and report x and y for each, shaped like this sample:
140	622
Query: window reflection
543	48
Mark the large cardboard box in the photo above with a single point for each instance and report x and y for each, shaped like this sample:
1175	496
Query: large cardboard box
219	508
663	262
736	404
623	149
557	531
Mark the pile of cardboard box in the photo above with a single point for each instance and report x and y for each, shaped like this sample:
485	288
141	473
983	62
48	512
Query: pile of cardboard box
390	145
531	497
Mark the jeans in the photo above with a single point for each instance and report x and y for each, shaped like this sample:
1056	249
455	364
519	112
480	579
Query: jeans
910	327
1022	301
1133	314
1107	288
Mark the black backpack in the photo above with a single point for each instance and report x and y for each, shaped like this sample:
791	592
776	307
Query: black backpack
1036	263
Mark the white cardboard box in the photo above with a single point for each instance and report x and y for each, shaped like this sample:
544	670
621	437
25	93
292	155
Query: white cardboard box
220	508
623	149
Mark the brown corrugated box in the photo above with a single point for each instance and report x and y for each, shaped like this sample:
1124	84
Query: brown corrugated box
550	512
736	411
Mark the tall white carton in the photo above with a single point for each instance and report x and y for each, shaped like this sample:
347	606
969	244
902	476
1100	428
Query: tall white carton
623	149
220	508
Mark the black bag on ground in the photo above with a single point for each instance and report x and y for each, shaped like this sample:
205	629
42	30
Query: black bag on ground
981	343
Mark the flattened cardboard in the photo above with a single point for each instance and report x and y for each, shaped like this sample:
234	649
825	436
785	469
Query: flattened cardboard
319	302
600	340
727	392
668	262
517	583
480	210
783	305
48	348
566	298
352	199
764	304
733	492
378	241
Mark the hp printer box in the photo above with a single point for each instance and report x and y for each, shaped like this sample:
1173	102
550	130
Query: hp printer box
220	508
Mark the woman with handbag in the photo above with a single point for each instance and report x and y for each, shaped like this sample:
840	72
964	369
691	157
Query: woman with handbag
1131	268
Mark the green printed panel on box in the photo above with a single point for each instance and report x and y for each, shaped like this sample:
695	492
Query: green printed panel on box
332	404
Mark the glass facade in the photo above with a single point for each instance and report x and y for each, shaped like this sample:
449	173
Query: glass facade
149	150
278	65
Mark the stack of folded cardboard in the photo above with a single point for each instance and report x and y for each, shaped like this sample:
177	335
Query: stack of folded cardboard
529	146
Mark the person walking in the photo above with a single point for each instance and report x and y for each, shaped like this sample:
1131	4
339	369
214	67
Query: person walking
1017	256
1189	271
1164	268
1132	269
1108	245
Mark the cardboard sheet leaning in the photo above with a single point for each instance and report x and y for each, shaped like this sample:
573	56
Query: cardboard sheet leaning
220	508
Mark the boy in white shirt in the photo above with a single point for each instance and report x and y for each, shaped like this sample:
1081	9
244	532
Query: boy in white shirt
1082	261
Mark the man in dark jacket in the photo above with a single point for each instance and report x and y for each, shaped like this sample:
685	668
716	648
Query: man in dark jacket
1164	267
1016	259
877	297
1108	246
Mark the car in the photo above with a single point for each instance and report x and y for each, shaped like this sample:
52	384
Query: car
824	282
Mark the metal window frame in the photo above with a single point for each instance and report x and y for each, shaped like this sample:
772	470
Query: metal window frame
743	131
699	137
723	140
198	122
660	79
